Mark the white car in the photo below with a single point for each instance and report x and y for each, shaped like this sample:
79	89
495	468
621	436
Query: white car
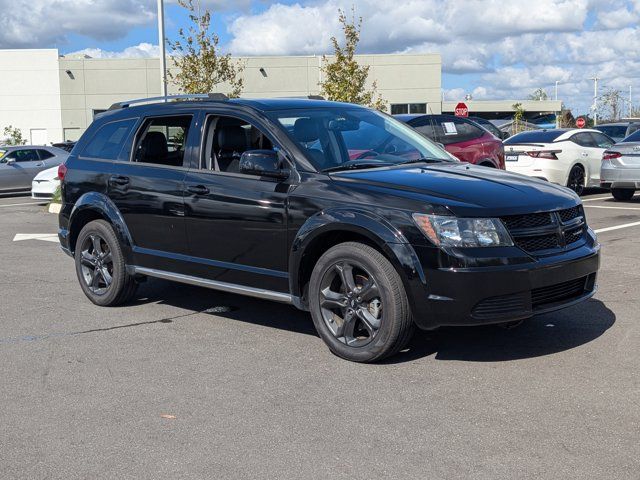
45	184
569	157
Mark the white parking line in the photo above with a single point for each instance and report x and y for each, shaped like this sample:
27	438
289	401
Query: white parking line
615	208
19	204
617	227
596	199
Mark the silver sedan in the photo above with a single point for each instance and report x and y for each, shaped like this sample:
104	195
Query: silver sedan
620	170
20	165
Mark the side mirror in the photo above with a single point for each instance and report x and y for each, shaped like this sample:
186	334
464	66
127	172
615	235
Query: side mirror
11	161
264	163
504	135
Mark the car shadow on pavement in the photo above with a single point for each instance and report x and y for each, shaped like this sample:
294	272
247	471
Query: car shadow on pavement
543	335
225	305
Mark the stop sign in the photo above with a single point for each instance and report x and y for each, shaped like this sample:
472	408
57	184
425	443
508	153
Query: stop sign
461	110
580	122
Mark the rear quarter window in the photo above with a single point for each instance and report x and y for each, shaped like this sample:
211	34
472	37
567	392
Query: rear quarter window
108	140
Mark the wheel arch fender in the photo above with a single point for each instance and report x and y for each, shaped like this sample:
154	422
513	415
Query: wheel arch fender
93	206
330	227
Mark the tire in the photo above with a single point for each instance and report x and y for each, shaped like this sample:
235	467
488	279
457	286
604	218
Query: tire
576	179
369	321
100	266
623	194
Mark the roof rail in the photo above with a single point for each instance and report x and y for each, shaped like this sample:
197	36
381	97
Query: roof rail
170	98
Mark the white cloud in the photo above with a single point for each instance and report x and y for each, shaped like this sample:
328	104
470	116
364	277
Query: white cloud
142	50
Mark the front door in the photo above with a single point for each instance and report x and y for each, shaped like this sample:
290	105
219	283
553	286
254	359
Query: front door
148	190
18	168
236	223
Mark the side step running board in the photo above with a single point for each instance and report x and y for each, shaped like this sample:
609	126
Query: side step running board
216	285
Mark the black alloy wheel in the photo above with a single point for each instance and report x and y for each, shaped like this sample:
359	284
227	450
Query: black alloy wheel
350	303
576	179
100	265
359	304
96	264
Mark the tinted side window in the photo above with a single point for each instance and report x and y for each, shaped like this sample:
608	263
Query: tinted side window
108	140
601	140
24	155
161	140
425	127
44	154
613	130
455	130
584	140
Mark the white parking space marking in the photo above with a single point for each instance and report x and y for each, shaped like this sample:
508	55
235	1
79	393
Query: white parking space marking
617	227
19	204
596	199
45	237
614	208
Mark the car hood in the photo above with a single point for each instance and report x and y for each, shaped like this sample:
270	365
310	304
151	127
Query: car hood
48	174
464	188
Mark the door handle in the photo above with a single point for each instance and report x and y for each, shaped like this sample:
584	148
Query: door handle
198	189
41	164
118	180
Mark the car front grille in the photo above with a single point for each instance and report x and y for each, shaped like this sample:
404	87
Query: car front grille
523	304
547	232
561	292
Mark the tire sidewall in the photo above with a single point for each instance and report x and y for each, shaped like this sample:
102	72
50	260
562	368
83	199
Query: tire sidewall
380	344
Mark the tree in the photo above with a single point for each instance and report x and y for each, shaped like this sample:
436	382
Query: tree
13	136
610	105
343	78
538	94
517	118
197	56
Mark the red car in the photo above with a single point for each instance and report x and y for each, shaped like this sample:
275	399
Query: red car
461	137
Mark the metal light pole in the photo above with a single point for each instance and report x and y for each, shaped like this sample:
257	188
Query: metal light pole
163	53
556	94
595	100
630	104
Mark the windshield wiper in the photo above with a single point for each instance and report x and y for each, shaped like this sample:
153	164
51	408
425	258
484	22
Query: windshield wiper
425	160
356	166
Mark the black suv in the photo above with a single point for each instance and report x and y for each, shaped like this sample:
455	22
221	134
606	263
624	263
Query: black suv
331	207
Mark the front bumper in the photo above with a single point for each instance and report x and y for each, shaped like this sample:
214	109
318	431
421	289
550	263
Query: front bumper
498	294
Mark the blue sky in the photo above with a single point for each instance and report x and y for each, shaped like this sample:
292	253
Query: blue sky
491	49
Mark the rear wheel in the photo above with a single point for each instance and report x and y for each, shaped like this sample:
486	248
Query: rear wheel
100	266
576	179
358	303
623	194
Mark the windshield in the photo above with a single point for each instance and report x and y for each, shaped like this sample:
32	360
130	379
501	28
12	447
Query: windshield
339	137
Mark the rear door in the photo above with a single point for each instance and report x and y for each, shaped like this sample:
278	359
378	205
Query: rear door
460	137
589	154
147	188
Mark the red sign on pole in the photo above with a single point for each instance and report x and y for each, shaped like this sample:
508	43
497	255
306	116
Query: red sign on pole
461	110
580	122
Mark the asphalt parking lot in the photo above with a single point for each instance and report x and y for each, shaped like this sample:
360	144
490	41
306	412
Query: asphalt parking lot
191	383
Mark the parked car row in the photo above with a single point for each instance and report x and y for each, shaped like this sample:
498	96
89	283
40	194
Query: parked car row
20	165
575	158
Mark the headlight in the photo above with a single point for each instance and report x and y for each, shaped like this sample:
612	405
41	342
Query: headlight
448	231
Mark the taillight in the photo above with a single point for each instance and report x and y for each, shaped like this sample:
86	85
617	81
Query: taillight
62	171
548	154
607	155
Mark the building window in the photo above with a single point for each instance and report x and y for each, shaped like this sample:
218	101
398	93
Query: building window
401	108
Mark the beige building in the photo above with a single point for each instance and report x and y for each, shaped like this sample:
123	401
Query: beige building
53	98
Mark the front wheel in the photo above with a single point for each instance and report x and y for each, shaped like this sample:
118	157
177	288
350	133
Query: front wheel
623	194
100	265
358	303
576	179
